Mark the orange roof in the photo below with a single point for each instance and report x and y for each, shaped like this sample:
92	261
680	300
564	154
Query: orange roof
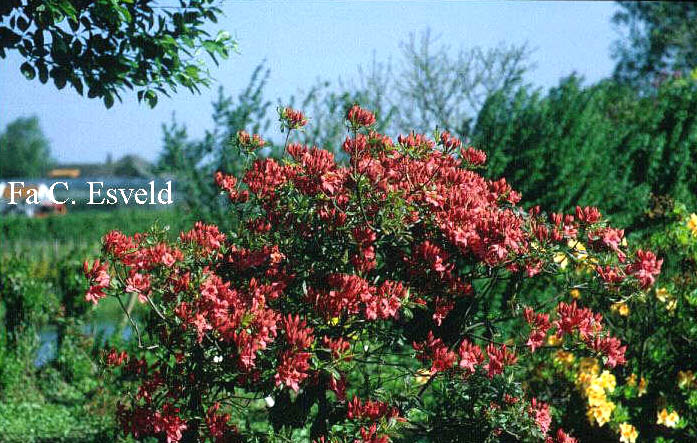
23	191
68	173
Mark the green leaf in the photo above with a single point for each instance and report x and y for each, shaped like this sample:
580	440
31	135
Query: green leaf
77	83
68	9
43	71
210	46
151	97
192	71
77	47
22	24
108	99
8	38
223	36
38	38
28	70
59	48
59	78
125	15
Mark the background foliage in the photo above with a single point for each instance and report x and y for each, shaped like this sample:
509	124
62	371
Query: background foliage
625	144
105	47
24	150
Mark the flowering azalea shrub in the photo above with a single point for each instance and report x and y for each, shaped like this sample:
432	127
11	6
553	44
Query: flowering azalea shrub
391	296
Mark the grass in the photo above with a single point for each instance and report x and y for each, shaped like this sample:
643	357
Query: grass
42	405
59	236
27	421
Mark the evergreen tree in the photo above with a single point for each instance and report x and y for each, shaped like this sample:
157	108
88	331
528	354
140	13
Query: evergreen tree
604	145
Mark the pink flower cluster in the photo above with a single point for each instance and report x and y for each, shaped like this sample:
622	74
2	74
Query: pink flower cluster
350	294
337	262
208	237
589	326
359	117
99	279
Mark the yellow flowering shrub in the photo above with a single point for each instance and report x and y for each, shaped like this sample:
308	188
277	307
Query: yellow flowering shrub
668	419
628	433
595	386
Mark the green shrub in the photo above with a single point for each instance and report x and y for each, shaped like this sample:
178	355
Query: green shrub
602	145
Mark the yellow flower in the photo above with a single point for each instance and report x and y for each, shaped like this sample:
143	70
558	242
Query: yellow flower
578	250
575	293
685	379
589	365
666	297
662	294
631	380
601	413
621	308
642	386
595	386
564	358
553	340
628	433
583	379
588	370
670	306
692	224
595	394
422	376
561	259
669	420
607	381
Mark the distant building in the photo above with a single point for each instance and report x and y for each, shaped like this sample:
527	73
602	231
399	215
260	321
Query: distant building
88	169
64	173
127	166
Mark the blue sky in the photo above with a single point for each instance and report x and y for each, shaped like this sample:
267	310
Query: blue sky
303	41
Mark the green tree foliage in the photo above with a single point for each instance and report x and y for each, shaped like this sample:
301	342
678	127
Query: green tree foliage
105	47
132	166
194	162
603	145
659	37
24	150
